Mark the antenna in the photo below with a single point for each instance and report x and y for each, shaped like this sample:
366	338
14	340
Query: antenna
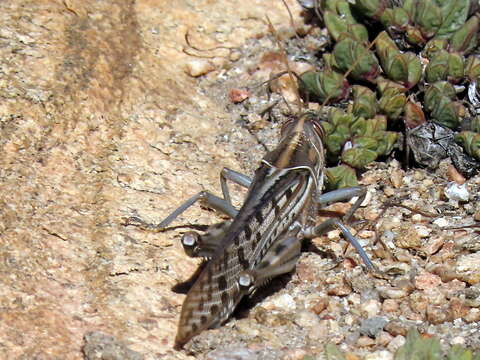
285	59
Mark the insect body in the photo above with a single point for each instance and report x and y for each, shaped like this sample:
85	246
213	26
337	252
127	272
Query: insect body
263	239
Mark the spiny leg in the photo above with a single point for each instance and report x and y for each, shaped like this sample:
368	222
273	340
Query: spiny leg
234	176
223	205
196	245
281	258
344	194
315	231
210	200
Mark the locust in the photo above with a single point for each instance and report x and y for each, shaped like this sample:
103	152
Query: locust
263	238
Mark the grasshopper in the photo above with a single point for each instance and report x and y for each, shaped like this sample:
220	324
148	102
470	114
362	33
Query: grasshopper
263	238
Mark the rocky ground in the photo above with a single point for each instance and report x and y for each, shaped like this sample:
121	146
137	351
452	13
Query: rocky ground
108	111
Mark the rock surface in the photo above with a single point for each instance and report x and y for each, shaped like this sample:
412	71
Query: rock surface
100	120
116	109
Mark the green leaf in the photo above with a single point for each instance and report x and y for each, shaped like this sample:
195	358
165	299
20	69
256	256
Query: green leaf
405	68
418	348
456	66
470	142
392	103
359	127
326	85
436	91
397	18
335	142
466	38
472	68
365	142
454	15
335	24
428	16
415	35
459	353
364	102
332	353
447	113
433	46
437	68
371	8
351	55
358	157
386	143
340	177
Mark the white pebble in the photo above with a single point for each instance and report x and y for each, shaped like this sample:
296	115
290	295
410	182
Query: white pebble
442	222
422	231
198	67
458	340
371	307
397	341
380	355
284	302
457	192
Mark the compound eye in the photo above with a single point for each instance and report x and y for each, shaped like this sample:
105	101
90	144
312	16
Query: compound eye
245	280
190	241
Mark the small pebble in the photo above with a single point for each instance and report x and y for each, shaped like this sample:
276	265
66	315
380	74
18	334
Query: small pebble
423	231
476	216
384	338
457	192
418	175
427	281
371	214
320	305
364	341
417	218
237	353
436	314
283	302
389	305
334	234
319	331
442	222
342	289
391	293
306	319
396	343
371	307
388	191
473	315
198	67
238	95
366	234
235	55
467	266
458	340
396	178
372	326
434	244
351	356
379	355
295	354
286	302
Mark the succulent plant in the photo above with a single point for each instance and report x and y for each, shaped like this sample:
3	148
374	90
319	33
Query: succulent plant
417	347
393	65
